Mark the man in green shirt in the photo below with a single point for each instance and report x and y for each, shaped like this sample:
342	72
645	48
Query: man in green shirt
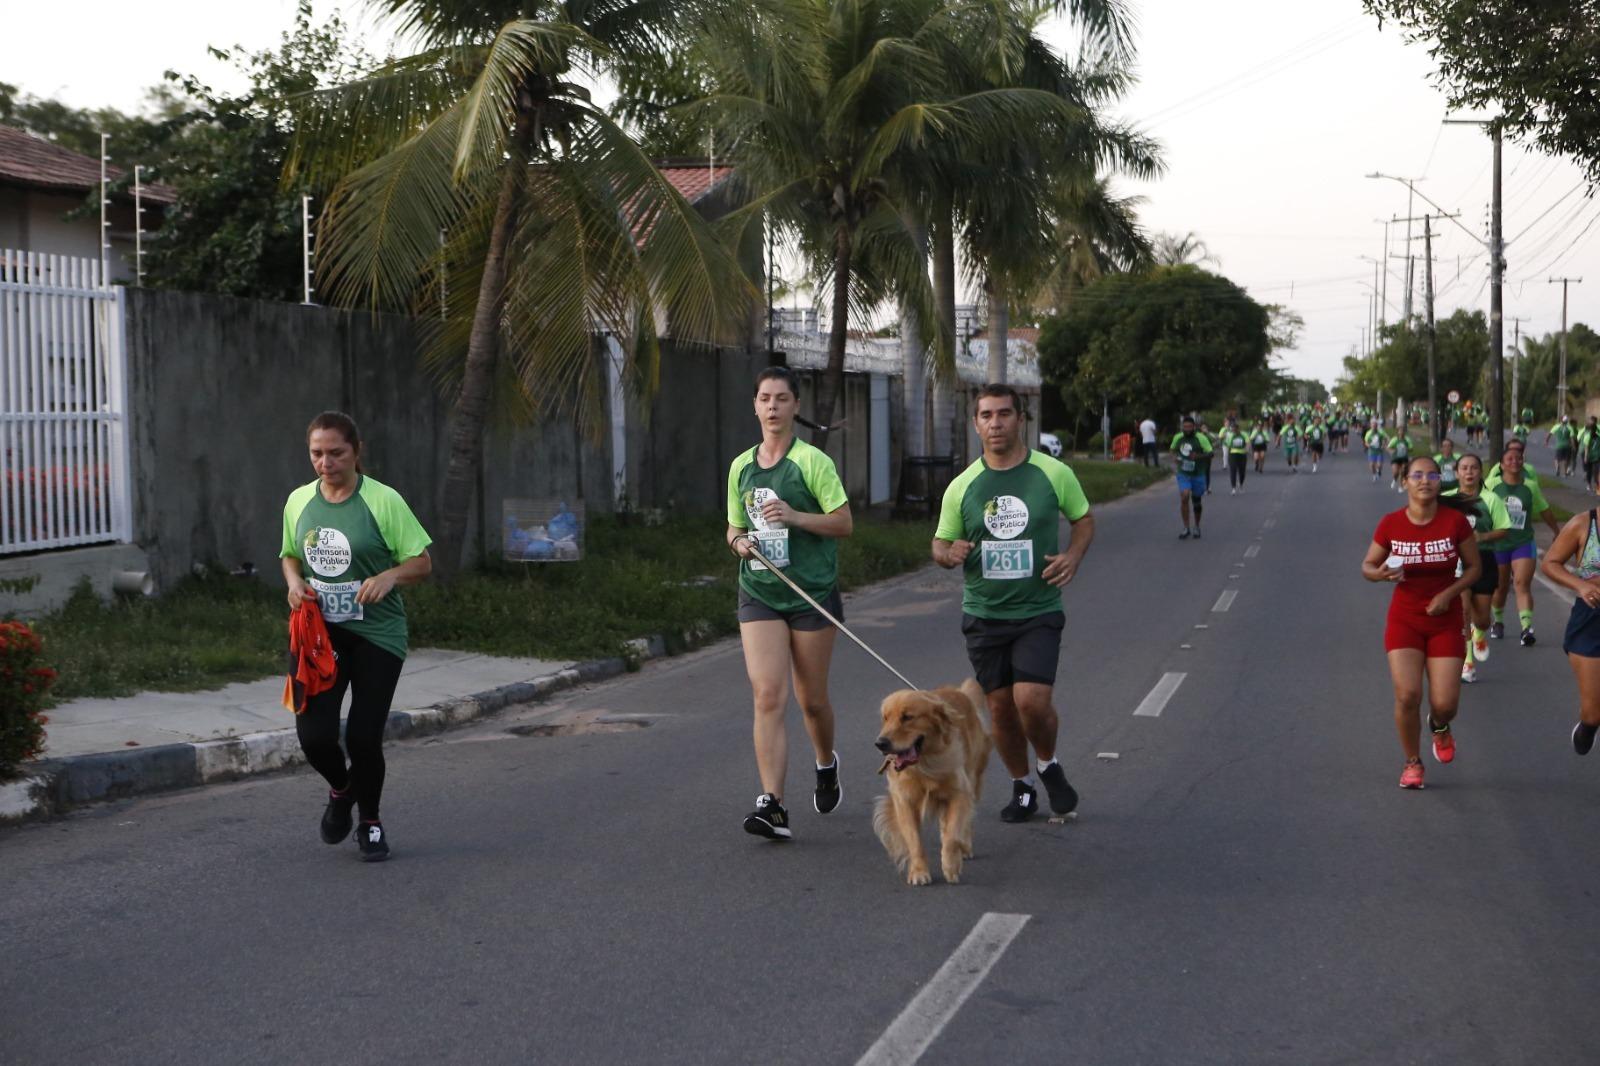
1516	553
1191	454
1399	456
1588	441
1289	437
1001	522
1561	433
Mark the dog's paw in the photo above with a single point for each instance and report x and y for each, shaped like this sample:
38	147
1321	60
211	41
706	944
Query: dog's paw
919	875
952	873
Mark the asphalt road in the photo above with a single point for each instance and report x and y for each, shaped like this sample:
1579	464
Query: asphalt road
1245	882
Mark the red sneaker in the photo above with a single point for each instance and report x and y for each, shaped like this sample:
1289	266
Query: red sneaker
1444	745
1411	776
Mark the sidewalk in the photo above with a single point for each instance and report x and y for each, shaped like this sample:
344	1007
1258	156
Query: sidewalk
100	749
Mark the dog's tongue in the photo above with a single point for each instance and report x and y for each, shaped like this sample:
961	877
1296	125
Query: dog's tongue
904	760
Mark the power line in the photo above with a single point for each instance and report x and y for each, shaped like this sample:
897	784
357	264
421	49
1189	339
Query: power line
1546	211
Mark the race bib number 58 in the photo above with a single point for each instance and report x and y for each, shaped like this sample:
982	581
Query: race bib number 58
1007	560
338	600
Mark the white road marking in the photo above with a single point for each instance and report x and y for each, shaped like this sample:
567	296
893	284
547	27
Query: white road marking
1156	701
1224	601
1564	595
931	1009
1269	523
1252	551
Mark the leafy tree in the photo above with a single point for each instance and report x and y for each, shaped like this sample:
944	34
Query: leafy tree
481	163
1540	371
1188	249
1535	63
1399	365
1176	338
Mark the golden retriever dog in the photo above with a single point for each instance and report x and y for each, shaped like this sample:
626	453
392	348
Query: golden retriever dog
935	749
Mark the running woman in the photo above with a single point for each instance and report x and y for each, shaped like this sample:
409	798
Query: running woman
1314	440
1416	549
1447	464
349	543
1561	433
1258	446
1515	554
1589	453
1529	474
1373	439
1580	539
785	496
1238	446
1189	450
1523	430
1399	457
1490	523
1289	438
1001	521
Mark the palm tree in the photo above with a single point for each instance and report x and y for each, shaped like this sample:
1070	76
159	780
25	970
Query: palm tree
480	166
1187	250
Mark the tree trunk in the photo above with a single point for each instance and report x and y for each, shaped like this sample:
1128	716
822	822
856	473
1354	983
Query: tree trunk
999	328
477	381
838	334
944	298
914	358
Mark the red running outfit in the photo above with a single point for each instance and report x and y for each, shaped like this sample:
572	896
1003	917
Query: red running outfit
1429	555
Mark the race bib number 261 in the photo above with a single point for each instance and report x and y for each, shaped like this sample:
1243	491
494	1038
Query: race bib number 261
1007	560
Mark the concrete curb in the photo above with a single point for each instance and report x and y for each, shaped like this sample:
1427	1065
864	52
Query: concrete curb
53	786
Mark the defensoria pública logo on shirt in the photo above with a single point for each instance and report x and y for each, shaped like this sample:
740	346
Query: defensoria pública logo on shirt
327	551
1005	516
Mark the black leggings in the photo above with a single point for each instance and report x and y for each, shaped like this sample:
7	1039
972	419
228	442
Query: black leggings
1236	464
371	674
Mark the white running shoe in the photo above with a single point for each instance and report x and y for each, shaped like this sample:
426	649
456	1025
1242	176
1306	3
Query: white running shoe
1480	644
1469	673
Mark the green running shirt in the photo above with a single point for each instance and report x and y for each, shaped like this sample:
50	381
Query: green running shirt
1400	447
1192	449
1562	432
1236	441
1524	503
340	545
805	479
1013	519
1488	514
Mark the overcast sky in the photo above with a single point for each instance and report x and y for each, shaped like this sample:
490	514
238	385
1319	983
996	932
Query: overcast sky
1270	114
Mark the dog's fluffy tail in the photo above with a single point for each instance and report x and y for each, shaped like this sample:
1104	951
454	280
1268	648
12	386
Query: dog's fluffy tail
883	825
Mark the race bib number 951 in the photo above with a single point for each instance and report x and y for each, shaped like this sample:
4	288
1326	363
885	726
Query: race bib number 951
1007	560
338	600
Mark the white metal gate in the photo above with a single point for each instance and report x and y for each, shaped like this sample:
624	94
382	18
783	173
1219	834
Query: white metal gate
63	405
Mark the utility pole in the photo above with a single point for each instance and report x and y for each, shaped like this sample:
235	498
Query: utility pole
1433	338
1516	355
1561	388
1383	296
1497	332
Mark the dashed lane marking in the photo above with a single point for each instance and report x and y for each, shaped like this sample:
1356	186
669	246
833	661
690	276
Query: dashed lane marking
1156	702
1252	551
1224	601
931	1009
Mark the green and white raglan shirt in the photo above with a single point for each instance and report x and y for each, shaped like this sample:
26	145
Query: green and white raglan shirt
1192	450
1013	519
340	545
1400	447
1562	432
1290	437
1258	438
805	479
1524	503
1236	441
1488	514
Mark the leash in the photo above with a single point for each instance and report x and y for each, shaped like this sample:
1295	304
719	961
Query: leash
840	626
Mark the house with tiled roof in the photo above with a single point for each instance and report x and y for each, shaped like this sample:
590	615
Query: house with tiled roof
41	184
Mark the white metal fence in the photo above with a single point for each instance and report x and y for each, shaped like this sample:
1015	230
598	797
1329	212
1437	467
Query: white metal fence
63	405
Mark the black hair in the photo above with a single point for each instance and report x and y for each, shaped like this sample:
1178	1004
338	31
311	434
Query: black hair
1415	459
995	390
791	379
1468	455
343	425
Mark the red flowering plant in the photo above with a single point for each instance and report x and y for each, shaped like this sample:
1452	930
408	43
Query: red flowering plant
24	679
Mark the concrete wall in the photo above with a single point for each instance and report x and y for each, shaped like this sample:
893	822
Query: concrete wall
221	392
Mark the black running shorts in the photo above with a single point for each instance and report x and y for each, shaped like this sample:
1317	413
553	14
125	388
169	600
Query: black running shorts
805	619
1489	580
1004	651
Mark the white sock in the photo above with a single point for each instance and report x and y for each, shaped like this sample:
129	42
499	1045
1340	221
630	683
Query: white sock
1023	780
1043	766
831	765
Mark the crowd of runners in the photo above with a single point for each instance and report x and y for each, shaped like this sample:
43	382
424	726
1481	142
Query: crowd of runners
1456	553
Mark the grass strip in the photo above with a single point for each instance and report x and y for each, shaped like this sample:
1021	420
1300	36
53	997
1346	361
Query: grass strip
634	580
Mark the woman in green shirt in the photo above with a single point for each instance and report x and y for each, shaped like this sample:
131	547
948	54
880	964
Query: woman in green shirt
785	498
349	543
1490	523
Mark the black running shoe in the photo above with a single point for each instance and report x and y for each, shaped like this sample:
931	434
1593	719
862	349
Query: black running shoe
769	819
1583	738
373	842
1024	803
1185	534
337	818
1063	797
1196	532
1527	638
1497	630
829	792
